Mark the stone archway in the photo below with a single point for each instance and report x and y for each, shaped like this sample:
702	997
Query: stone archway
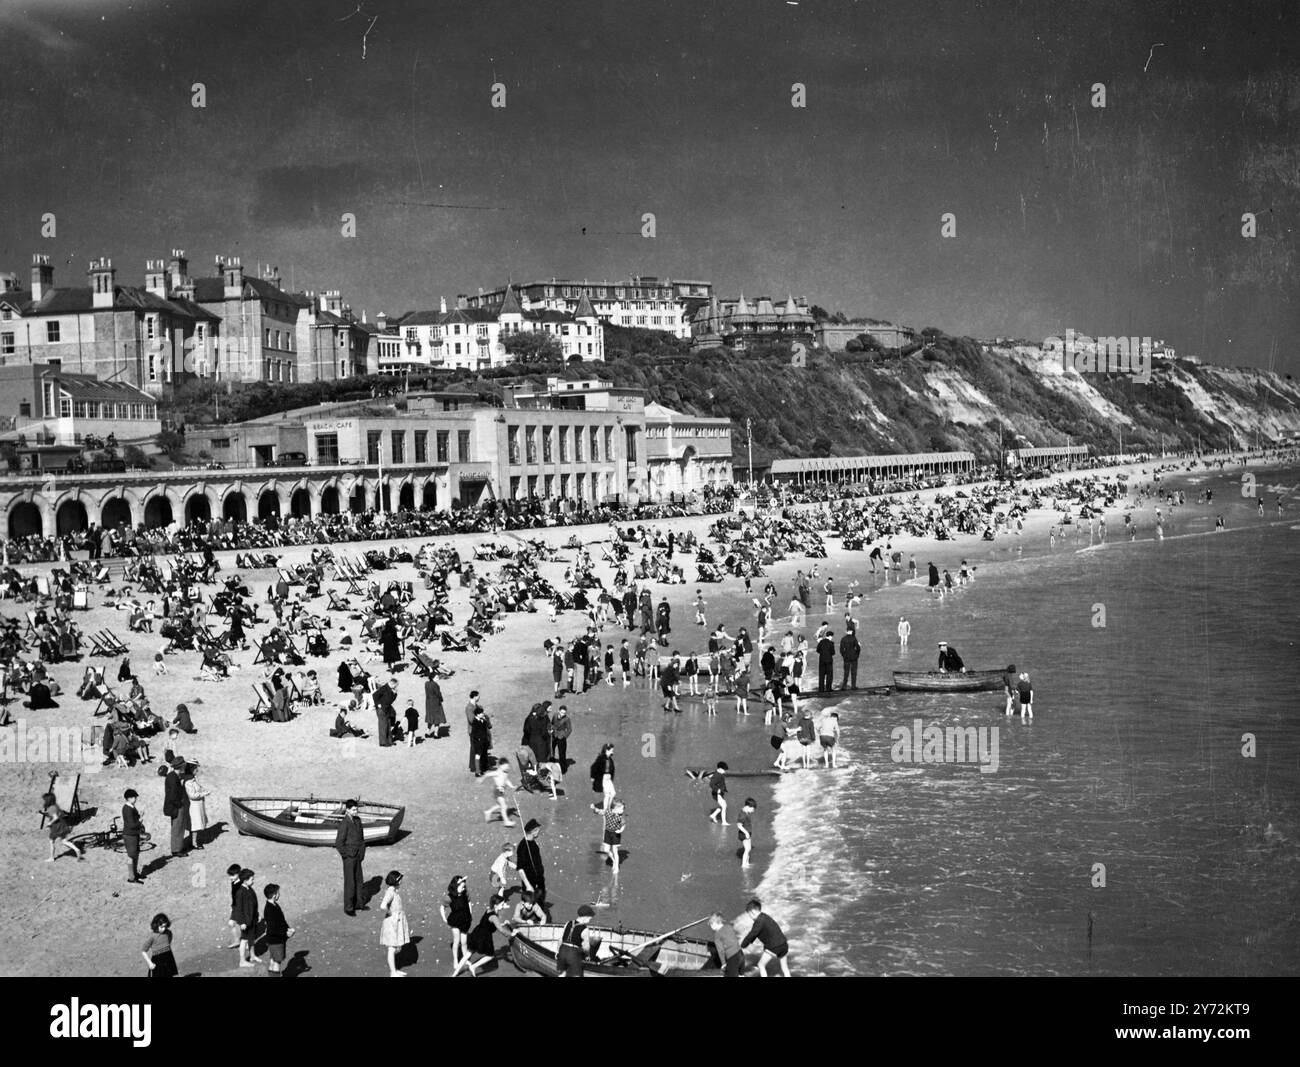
406	497
235	507
70	517
430	496
300	504
157	512
25	519
115	512
383	498
268	505
357	500
198	509
329	500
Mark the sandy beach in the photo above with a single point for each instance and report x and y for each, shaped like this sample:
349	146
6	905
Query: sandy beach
70	918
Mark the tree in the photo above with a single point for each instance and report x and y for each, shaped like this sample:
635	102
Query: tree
135	457
533	346
171	443
853	345
819	314
821	446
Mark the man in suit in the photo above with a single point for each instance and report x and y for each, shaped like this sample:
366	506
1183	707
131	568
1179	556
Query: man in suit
132	828
351	845
384	696
825	663
850	650
472	709
176	805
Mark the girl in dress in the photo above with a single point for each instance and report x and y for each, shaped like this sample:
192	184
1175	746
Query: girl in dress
157	949
456	914
396	931
198	795
60	828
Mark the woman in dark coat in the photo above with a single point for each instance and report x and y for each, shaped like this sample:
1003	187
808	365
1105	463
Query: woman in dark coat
345	677
237	624
537	732
391	645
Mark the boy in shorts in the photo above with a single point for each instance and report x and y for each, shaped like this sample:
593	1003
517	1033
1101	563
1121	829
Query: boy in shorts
615	823
501	868
278	931
745	829
829	734
768	934
718	787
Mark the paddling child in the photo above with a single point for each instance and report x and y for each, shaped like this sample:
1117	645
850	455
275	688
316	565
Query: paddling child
1026	690
768	934
278	931
745	829
711	698
718	787
500	777
741	684
609	666
727	945
700	604
625	663
615	821
904	631
829	733
455	910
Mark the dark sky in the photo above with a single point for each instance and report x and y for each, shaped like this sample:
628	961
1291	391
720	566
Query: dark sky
1122	220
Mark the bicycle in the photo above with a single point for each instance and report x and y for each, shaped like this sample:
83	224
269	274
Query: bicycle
111	839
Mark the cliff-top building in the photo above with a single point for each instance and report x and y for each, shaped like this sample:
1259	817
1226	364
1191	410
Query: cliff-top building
739	323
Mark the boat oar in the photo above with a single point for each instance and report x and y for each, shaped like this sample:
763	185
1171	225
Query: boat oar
643	954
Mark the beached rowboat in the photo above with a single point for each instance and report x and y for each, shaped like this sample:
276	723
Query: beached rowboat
534	948
952	682
311	821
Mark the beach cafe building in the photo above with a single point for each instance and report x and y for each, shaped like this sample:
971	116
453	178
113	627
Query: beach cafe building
863	468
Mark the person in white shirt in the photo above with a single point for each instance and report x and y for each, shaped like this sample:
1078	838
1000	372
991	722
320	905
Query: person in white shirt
904	629
828	730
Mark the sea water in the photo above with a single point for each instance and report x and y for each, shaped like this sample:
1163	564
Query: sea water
1145	823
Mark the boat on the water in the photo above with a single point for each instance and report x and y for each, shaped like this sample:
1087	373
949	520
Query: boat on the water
535	948
949	682
312	821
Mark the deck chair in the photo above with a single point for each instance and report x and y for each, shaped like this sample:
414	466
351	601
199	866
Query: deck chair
115	644
261	711
423	665
289	577
337	603
64	789
452	643
98	646
31	624
43	586
261	656
81	600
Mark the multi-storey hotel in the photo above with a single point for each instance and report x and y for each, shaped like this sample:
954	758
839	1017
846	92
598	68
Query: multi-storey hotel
643	301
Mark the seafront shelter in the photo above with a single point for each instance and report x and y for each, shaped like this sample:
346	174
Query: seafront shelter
1046	457
862	468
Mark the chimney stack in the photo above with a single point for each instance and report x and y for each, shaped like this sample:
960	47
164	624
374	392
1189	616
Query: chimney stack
333	301
42	276
157	279
232	270
102	277
179	268
381	320
442	305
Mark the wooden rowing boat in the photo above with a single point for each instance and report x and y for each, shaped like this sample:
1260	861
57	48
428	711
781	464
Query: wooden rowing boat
951	682
534	949
311	821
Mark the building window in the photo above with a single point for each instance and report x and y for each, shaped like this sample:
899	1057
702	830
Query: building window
343	368
412	339
223	443
631	445
6	343
514	487
327	449
374	442
421	446
65	408
25	409
564	444
267	341
462	445
595	445
564	485
577	444
609	444
530	443
546	445
137	413
150	327
399	446
512	435
79	409
52	332
443	437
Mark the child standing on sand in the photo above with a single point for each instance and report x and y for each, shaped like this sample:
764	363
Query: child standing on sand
501	868
232	872
278	931
157	949
395	932
246	915
745	829
412	722
455	911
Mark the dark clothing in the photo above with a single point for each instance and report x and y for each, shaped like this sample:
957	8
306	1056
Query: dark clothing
537	734
390	643
277	929
480	744
767	933
350	842
850	650
949	660
528	858
246	912
176	806
434	716
480	939
825	665
132	828
569	957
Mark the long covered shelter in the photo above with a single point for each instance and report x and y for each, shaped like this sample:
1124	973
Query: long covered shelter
861	468
1038	457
